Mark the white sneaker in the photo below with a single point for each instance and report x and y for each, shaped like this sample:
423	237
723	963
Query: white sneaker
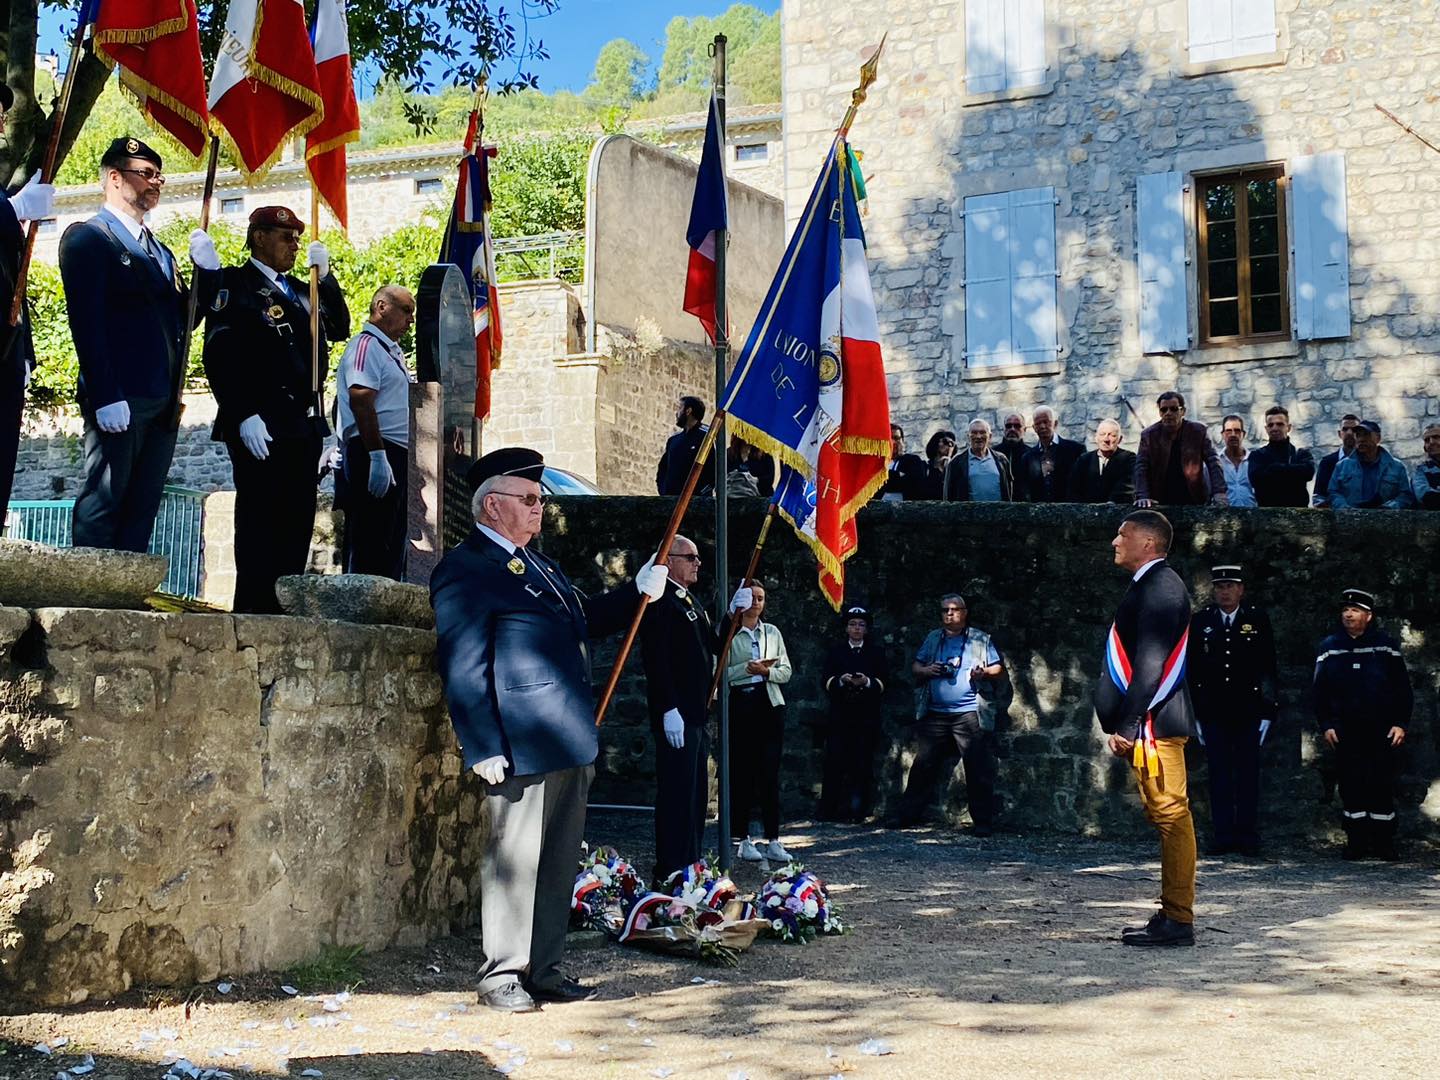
748	851
775	852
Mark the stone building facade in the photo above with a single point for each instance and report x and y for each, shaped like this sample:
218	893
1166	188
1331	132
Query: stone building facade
1052	204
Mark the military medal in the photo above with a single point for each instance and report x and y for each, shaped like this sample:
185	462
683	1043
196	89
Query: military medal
276	311
515	566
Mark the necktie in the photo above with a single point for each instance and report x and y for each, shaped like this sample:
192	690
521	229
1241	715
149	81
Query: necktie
284	287
147	242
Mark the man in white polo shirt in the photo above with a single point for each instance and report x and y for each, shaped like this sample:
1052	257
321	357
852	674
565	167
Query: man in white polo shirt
374	399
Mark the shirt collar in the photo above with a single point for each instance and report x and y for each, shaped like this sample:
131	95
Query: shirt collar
131	226
507	544
1145	569
271	276
980	457
384	338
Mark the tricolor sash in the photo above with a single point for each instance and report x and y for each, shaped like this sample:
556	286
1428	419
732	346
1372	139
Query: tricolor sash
1117	664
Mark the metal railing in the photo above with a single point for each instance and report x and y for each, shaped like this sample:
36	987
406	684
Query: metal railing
562	254
178	533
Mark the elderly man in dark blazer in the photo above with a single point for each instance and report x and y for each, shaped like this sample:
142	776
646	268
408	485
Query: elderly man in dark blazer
514	657
1177	464
127	303
1043	473
1144	706
1106	474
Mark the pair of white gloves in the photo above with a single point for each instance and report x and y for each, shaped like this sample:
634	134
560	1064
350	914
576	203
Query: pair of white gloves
650	582
204	255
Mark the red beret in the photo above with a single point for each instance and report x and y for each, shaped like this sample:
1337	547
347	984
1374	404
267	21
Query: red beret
276	217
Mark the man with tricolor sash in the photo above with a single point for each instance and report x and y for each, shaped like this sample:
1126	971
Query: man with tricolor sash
1144	706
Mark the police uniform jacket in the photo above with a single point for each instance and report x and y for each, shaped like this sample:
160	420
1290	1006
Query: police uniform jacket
513	652
257	351
1231	670
679	645
855	702
1361	685
127	312
1152	620
17	350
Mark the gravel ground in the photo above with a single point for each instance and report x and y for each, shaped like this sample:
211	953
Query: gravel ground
966	957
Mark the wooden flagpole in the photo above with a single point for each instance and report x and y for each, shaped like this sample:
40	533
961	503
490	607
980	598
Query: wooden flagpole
47	168
316	385
735	622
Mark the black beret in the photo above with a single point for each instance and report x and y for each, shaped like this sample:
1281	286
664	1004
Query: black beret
1220	575
7	96
276	217
508	461
122	150
1358	598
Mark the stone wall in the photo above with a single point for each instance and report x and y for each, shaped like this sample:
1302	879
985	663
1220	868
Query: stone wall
1123	102
1042	581
188	796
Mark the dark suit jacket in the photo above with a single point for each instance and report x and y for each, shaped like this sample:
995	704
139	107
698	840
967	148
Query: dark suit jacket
127	314
1115	485
1278	475
679	645
957	477
677	460
259	363
907	476
1323	472
1197	456
514	656
1231	672
854	703
17	349
1030	479
1150	623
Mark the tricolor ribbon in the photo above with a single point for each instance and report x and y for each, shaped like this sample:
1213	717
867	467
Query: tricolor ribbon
1146	757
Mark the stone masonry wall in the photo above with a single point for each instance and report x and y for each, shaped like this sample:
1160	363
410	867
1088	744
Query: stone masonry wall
1123	104
1041	580
188	796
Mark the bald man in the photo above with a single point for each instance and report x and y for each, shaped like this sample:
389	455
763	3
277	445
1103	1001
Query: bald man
374	397
1107	473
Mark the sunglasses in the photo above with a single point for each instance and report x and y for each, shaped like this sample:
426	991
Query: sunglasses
529	499
150	176
692	558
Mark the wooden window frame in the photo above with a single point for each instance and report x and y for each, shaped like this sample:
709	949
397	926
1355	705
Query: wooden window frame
1203	183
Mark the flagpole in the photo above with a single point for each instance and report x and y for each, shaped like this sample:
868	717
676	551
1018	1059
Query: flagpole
661	554
315	383
194	301
735	623
47	168
722	504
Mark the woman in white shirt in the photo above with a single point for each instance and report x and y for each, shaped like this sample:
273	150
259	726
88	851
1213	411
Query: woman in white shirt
755	668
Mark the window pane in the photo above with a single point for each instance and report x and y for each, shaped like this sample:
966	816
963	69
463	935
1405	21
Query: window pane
1265	315
1264	236
1224	280
1220	241
1220	203
1264	275
1262	197
1224	318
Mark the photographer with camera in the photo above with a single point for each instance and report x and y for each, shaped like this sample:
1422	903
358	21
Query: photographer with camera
952	661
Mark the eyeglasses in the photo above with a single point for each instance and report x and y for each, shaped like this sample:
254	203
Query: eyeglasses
1169	409
952	610
692	558
529	498
150	176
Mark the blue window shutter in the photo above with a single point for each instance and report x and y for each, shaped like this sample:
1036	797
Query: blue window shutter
1210	30
984	46
1024	43
1032	275
1322	247
1252	24
1160	219
987	281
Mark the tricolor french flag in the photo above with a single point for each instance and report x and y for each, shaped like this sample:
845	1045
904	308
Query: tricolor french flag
709	213
325	145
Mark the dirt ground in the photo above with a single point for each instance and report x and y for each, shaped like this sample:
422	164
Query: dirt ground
967	957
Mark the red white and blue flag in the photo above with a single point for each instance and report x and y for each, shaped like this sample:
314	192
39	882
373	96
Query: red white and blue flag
809	386
469	246
325	144
709	215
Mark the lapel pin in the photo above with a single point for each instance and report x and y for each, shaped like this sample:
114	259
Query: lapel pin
515	566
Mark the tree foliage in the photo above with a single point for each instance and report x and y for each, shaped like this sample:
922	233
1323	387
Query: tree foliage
621	76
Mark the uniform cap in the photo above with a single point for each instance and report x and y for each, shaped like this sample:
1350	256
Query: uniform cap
1372	426
1358	598
123	149
276	217
1220	575
508	461
856	612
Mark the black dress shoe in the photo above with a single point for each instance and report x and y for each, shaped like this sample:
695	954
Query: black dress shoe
509	997
1165	932
565	991
1153	922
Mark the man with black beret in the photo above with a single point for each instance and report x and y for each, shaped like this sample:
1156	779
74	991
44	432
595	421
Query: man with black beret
270	416
128	307
1231	672
33	202
1362	704
514	655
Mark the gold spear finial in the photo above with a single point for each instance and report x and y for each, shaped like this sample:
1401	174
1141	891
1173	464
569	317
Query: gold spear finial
869	71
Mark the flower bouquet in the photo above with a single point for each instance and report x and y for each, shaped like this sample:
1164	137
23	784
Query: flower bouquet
796	906
605	886
702	915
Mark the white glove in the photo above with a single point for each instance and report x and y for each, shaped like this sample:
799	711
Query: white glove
113	418
254	434
492	769
335	458
34	201
202	250
742	600
382	477
674	728
318	256
1264	730
651	579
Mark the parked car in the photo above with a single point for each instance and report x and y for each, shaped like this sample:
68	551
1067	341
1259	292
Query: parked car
564	482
